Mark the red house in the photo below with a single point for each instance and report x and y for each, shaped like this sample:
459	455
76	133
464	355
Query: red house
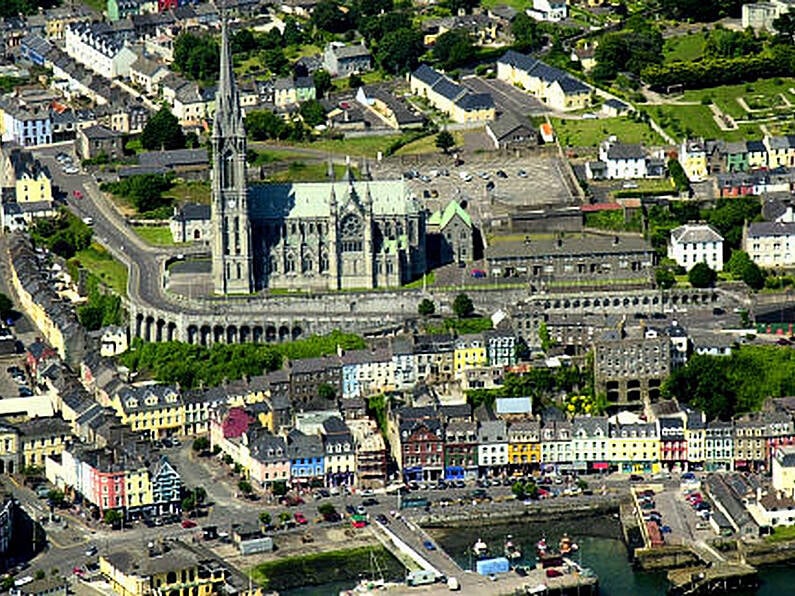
164	5
38	356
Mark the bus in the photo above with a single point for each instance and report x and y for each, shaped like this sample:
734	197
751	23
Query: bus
408	501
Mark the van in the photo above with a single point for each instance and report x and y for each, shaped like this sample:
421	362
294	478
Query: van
465	176
421	577
89	221
452	584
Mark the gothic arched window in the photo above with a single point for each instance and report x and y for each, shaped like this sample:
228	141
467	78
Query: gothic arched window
352	233
228	177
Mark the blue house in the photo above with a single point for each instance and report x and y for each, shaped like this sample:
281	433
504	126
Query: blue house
306	457
35	48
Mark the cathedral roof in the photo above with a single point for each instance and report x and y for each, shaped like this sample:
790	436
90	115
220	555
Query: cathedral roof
312	199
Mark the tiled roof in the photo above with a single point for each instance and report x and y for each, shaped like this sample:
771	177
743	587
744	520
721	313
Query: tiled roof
695	233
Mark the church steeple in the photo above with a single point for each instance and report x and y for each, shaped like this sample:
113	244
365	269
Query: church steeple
228	115
231	227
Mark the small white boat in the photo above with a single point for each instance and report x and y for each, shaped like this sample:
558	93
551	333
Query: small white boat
511	551
480	548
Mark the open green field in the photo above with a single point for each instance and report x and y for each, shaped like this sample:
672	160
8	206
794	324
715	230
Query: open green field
764	94
684	48
355	147
520	5
589	133
428	144
300	171
98	5
696	120
156	235
189	191
108	270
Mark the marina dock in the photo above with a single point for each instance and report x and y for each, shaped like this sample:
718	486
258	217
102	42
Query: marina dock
721	578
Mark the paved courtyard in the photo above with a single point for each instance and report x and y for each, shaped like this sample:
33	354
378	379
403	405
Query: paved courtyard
507	97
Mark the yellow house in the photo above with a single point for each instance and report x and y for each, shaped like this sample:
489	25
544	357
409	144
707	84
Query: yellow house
634	447
780	151
524	444
169	569
553	86
447	96
155	409
138	488
40	438
693	158
33	183
469	352
9	449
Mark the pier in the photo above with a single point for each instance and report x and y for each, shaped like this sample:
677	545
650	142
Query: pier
722	578
405	540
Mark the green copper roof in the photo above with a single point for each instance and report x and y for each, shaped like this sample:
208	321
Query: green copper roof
442	218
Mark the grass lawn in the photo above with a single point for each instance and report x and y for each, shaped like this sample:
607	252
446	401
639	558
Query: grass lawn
781	533
428	144
684	48
109	271
520	5
157	235
430	278
357	146
299	171
589	133
725	96
296	52
368	78
696	120
189	191
98	5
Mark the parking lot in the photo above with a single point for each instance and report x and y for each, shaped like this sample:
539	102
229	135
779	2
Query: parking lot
13	378
507	98
490	183
685	523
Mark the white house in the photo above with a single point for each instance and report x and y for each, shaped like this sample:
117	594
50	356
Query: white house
696	243
549	10
622	161
770	244
492	445
98	52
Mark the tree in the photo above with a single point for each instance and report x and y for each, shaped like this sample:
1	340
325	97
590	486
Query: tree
737	263
162	131
265	518
454	48
701	276
463	306
664	278
243	41
328	16
113	517
313	112
245	487
6	306
284	517
445	140
197	57
426	308
400	50
279	488
40	574
322	80
56	498
704	384
543	336
753	276
784	25
355	81
527	35
201	444
326	392
264	124
327	510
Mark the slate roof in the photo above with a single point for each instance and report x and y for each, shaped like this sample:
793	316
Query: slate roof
100	132
569	246
507	123
625	151
695	233
193	212
174	158
616	104
356	50
426	74
785	456
770	228
301	446
772	209
591	425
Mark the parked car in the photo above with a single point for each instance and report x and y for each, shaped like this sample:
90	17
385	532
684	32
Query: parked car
360	510
188	523
91	551
371	502
350	509
636	478
429	545
77	194
300	519
382	519
25	392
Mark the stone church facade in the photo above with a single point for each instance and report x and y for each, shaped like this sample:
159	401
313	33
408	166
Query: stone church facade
345	234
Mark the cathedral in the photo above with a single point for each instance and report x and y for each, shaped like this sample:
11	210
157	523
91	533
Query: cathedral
340	234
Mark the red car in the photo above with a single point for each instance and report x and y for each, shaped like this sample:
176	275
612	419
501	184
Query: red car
300	519
188	523
79	571
77	194
359	523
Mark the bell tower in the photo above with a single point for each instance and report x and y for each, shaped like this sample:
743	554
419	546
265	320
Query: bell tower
231	228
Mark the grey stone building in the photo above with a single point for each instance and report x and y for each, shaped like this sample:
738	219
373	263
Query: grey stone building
191	223
323	236
584	259
631	370
98	140
450	235
341	60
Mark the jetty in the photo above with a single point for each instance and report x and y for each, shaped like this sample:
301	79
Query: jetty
723	578
406	541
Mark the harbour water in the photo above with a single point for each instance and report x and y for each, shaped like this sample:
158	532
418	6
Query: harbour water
601	549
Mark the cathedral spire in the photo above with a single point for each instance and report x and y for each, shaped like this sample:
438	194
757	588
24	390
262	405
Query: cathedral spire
228	117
